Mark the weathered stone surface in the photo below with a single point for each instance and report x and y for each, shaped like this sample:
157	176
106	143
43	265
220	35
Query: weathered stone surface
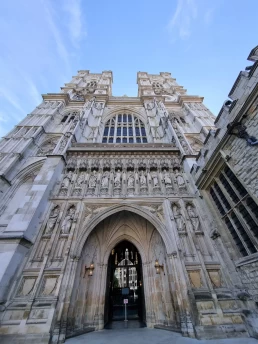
112	169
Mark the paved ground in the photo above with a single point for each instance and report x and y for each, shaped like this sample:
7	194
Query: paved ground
147	336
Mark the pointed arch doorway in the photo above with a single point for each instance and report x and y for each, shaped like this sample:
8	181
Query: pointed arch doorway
89	303
124	284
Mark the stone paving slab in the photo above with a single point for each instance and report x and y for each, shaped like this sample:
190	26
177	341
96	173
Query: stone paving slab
148	336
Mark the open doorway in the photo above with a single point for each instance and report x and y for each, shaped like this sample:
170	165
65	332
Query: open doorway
124	285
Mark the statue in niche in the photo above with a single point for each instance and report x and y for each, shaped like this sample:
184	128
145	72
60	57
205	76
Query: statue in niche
63	143
167	179
104	181
93	180
130	180
179	179
67	180
83	163
194	218
80	180
143	179
154	118
155	179
52	219
180	222
176	161
67	222
117	180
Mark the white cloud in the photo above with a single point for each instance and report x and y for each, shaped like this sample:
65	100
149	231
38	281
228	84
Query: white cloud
12	99
183	18
61	48
75	21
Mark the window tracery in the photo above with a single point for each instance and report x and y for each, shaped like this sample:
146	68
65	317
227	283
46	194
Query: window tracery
238	210
68	117
124	128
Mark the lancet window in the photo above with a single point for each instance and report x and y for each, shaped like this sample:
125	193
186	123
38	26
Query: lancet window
237	209
69	117
124	128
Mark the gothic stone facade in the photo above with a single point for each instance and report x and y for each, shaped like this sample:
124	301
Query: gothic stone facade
85	171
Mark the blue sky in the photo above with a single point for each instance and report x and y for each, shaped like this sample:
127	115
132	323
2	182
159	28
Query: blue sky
203	43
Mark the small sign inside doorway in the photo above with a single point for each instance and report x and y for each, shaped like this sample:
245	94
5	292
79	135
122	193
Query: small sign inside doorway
125	301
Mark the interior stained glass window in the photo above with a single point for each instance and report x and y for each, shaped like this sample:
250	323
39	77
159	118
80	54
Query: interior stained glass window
125	128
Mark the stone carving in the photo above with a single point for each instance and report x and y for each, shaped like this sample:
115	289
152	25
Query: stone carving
78	95
83	164
166	178
72	163
194	218
68	220
47	147
80	180
130	180
179	219
117	180
26	286
105	180
52	219
143	181
64	142
93	180
155	180
180	180
155	119
67	180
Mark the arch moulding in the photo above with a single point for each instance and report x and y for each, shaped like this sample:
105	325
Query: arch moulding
89	227
108	115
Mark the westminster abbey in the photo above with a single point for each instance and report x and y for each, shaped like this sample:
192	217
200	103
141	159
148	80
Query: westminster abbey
150	201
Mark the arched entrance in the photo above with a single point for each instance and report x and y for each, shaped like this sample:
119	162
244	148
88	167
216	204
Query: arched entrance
124	284
91	303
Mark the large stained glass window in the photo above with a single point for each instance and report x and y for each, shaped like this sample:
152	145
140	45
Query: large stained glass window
124	128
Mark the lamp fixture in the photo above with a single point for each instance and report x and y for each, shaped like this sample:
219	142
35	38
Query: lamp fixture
90	269
158	267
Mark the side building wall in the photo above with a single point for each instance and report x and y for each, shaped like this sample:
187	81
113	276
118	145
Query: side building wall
226	174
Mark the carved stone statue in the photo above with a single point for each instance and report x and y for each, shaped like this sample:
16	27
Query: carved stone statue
67	222
180	222
52	220
67	180
104	181
143	179
63	144
154	119
93	180
83	163
47	148
194	218
80	180
179	179
130	180
117	180
167	179
155	179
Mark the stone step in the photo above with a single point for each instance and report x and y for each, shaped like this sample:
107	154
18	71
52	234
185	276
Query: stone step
167	328
124	324
80	332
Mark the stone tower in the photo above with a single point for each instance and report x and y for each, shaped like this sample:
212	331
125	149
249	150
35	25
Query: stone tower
92	184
